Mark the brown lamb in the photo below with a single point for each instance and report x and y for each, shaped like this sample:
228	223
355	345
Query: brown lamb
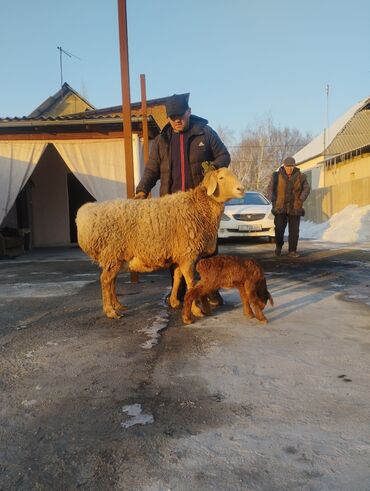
230	272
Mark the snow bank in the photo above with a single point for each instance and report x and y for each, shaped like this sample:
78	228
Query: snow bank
352	224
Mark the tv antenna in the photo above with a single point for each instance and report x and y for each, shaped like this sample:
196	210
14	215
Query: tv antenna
326	129
70	55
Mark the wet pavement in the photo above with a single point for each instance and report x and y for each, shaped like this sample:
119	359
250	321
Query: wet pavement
145	403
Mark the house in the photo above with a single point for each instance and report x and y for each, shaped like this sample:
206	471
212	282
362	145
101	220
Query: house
65	153
337	163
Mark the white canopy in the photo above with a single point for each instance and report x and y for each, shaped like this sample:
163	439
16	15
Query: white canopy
98	164
17	162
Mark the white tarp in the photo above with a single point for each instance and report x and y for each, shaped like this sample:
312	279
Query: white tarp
100	165
17	162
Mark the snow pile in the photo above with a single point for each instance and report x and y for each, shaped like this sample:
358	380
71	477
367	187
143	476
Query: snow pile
352	224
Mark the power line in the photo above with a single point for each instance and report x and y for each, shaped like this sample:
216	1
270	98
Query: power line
266	146
250	161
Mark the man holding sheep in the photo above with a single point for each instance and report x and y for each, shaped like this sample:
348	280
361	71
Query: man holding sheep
178	151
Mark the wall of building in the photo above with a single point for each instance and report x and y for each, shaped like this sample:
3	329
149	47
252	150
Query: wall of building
50	213
322	203
349	170
314	169
69	105
310	164
157	112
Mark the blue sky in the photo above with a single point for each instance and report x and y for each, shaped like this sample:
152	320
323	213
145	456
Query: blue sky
241	60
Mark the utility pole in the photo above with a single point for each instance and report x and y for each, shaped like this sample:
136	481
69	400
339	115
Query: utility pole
126	100
259	166
126	106
326	130
144	114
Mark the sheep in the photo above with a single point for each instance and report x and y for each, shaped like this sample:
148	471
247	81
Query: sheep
145	235
230	272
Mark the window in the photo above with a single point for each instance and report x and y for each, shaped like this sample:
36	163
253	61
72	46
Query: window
249	199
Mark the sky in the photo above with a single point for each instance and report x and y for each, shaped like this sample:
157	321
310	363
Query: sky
241	60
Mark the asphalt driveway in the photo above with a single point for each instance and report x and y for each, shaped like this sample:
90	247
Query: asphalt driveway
145	403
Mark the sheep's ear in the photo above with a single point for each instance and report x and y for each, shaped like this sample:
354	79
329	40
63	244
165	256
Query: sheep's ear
210	182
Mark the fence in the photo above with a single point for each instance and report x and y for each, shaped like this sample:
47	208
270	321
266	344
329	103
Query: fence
322	203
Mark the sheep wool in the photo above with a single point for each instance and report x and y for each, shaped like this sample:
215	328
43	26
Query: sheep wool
145	235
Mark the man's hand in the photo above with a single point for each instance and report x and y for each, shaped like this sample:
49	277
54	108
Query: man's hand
140	195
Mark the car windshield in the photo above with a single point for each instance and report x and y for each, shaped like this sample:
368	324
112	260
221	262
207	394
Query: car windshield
249	199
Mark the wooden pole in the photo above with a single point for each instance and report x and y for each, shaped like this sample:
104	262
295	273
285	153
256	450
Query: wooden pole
144	113
126	105
126	101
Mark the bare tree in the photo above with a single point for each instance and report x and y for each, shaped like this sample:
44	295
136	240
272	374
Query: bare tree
227	136
261	150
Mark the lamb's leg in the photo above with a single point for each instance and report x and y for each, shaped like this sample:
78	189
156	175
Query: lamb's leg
206	306
257	309
193	294
243	290
107	281
188	300
177	275
187	271
115	302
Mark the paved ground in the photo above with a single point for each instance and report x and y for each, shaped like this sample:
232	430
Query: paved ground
143	403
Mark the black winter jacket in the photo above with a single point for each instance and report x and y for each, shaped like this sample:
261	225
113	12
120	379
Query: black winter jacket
203	144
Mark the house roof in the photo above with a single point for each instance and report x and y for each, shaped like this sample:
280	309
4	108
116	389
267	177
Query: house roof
50	116
134	105
45	107
349	132
65	119
72	123
355	134
155	108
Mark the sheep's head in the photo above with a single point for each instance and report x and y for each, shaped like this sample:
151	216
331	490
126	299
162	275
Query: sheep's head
222	184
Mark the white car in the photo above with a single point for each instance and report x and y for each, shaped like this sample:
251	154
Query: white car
248	217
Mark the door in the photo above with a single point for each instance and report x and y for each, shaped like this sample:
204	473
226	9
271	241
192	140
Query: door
77	196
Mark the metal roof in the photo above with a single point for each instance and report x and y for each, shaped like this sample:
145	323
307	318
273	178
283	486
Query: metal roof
72	123
355	135
316	147
134	105
67	119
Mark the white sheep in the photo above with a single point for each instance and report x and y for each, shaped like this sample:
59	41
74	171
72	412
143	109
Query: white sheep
145	235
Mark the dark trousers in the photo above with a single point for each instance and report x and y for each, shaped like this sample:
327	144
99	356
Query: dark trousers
281	221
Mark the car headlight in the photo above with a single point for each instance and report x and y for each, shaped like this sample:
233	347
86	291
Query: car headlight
225	218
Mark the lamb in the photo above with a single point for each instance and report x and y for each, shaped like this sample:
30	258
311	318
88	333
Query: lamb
230	272
145	235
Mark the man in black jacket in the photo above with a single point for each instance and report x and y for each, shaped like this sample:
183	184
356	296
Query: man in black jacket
177	154
178	151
